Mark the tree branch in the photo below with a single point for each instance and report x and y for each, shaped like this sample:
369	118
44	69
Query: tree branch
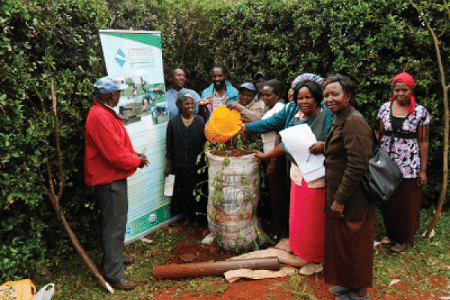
58	144
56	197
445	89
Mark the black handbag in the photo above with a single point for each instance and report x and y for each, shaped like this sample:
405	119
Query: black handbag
383	176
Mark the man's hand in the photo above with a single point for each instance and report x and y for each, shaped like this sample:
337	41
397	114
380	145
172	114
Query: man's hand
206	100
233	105
144	160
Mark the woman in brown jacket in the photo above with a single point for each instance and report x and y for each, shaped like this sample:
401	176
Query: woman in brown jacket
349	221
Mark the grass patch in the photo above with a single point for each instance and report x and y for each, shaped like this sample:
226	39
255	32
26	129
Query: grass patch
423	269
416	266
298	287
270	296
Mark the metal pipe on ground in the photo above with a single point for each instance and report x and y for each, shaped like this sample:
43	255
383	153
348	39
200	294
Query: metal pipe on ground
214	268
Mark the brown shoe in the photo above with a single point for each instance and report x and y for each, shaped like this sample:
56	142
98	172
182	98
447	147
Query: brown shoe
129	259
400	247
123	284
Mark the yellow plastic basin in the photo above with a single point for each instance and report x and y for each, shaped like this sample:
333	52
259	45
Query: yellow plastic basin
223	124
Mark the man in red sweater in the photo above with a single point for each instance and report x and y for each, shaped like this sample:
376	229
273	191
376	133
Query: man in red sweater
109	159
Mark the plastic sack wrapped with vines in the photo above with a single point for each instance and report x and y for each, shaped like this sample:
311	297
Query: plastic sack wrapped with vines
232	202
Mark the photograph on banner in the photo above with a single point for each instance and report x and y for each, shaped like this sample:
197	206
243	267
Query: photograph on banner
135	59
141	99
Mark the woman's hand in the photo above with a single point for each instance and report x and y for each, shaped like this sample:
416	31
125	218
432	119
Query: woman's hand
259	156
245	120
422	178
205	101
242	131
317	148
271	167
167	169
337	210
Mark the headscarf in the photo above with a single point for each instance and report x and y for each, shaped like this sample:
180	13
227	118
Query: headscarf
308	76
406	78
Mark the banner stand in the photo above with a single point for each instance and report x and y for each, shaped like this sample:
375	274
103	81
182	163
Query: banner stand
144	234
134	58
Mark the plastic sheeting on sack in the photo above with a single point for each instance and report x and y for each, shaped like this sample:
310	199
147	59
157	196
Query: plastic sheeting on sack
232	202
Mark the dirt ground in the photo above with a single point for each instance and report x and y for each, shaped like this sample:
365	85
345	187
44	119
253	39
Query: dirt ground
274	289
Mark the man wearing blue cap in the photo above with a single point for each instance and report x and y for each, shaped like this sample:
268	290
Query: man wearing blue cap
109	159
250	108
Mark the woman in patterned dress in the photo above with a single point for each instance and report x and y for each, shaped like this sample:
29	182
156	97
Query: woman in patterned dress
404	127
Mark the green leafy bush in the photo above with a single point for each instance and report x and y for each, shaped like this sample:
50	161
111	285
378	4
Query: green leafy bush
43	41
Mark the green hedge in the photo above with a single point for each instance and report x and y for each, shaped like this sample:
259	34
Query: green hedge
54	40
41	42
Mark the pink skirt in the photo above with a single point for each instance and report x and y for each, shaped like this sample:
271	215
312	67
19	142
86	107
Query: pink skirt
307	222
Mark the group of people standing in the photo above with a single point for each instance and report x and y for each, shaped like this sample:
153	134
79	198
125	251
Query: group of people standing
329	221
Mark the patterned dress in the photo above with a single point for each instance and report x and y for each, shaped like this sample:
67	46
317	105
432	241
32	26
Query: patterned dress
401	213
400	139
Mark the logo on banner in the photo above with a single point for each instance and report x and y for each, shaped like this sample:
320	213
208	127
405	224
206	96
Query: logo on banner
152	218
120	58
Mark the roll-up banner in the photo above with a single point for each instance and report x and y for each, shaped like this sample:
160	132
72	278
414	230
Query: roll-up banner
135	58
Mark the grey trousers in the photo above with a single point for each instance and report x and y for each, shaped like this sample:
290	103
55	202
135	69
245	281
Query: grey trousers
113	199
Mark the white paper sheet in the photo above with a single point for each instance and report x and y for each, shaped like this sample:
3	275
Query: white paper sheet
168	185
313	175
297	140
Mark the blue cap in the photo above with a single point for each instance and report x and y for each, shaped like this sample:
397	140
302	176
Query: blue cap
247	86
108	85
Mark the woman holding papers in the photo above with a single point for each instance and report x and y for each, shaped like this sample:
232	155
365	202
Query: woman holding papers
279	121
349	221
307	217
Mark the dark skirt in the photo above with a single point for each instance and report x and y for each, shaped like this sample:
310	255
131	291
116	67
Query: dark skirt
401	213
348	252
279	197
183	199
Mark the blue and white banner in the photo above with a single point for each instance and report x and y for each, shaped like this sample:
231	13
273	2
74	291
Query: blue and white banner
135	58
